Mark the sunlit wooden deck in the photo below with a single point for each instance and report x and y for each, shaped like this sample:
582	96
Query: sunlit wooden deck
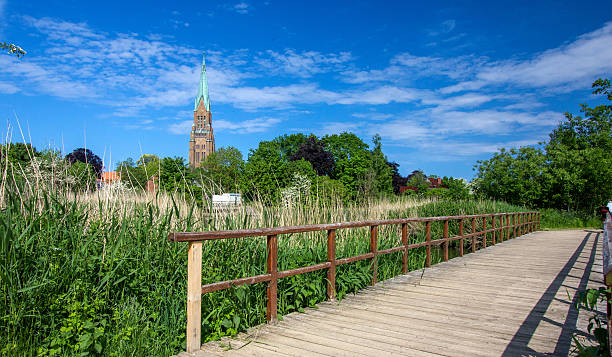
511	299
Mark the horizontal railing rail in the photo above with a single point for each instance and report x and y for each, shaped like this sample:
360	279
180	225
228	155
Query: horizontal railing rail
522	222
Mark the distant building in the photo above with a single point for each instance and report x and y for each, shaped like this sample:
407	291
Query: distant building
152	184
202	141
108	178
432	182
227	199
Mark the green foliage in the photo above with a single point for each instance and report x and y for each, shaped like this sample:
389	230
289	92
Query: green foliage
571	172
12	49
18	153
512	176
352	162
457	189
224	168
561	219
419	180
75	282
84	176
588	300
265	171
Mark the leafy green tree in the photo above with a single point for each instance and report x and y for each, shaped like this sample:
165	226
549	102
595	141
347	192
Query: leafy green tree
18	153
571	172
132	175
225	169
175	175
456	189
289	144
383	174
352	162
418	179
514	176
265	171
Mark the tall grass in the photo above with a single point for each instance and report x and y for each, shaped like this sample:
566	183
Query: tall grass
94	273
557	219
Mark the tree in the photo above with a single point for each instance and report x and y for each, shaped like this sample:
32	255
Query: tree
456	189
132	175
265	171
88	157
418	179
383	175
572	170
17	153
352	161
513	176
289	144
397	180
12	49
224	168
313	151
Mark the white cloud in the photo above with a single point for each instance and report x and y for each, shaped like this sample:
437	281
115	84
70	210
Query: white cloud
181	128
303	64
242	8
444	28
247	126
8	88
566	67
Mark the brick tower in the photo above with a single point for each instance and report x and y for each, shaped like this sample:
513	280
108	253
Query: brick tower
202	142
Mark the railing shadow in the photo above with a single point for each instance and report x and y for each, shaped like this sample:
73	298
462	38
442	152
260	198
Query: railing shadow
518	346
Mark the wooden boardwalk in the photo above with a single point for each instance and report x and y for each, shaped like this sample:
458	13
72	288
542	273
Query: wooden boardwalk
511	299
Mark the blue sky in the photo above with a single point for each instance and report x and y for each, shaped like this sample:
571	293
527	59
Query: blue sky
444	83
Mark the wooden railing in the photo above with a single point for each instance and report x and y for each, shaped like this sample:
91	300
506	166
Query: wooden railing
607	270
522	222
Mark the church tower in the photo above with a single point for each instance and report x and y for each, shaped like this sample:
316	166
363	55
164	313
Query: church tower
202	142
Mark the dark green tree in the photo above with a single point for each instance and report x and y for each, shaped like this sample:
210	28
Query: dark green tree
313	151
86	156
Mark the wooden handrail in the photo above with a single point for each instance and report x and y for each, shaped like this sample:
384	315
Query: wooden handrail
523	221
607	269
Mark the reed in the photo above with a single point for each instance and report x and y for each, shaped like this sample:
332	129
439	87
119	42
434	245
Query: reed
93	273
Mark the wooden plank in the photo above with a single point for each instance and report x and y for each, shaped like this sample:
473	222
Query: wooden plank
194	296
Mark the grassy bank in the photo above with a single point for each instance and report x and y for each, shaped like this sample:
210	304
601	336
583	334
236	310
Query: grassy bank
95	273
557	219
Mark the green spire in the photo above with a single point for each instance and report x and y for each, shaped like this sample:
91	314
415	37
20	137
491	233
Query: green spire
203	88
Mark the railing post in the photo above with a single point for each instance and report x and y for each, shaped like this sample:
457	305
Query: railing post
501	229
514	225
461	240
374	250
428	246
446	241
507	227
493	219
331	258
194	296
272	268
520	221
473	237
484	234
405	244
